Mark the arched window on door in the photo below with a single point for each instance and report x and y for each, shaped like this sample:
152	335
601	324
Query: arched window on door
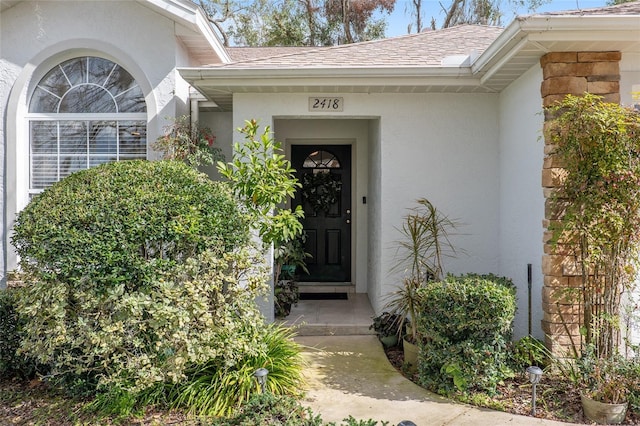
84	112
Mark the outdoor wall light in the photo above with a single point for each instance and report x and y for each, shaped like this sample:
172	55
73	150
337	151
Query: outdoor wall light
535	374
261	376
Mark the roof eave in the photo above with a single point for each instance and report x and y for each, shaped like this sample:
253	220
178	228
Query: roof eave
191	16
268	75
537	29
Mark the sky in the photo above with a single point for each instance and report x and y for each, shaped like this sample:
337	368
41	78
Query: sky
398	21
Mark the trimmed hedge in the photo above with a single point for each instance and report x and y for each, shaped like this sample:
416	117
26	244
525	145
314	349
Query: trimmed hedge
132	271
125	222
466	324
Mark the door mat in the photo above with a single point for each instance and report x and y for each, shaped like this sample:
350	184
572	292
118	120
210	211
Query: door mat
324	296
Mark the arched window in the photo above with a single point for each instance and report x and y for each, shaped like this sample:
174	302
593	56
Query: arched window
321	160
84	112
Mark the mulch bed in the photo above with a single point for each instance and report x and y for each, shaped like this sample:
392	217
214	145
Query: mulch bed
31	403
557	399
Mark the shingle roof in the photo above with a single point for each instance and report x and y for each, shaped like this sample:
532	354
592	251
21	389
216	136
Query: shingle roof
241	54
631	8
415	50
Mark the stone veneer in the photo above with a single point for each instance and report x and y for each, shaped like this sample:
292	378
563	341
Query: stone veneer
567	73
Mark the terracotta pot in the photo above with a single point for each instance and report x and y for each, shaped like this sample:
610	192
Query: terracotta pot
602	412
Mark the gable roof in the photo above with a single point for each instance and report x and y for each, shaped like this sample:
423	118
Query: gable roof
246	53
464	59
428	48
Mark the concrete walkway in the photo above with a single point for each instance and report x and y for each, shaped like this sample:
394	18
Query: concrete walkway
350	375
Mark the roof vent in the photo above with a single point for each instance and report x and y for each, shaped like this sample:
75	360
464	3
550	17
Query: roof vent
459	60
456	61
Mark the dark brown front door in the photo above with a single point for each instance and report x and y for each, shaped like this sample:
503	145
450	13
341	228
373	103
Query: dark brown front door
325	174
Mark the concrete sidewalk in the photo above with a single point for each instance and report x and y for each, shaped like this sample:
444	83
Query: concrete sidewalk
350	375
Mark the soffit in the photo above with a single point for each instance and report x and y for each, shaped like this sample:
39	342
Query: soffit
192	29
534	36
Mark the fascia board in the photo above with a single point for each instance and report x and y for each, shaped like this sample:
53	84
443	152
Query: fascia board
510	37
266	74
592	23
191	16
541	28
247	80
214	40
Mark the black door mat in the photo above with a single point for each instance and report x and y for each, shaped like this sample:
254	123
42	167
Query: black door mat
324	296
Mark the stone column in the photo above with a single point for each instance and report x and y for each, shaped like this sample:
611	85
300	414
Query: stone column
567	73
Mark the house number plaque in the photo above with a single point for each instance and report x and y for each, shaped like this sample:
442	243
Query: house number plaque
326	104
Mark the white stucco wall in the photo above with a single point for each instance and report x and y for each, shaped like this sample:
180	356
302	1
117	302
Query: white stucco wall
440	146
221	125
374	186
630	96
521	197
35	36
630	78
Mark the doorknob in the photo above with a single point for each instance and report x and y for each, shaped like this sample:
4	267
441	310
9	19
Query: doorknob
348	221
348	211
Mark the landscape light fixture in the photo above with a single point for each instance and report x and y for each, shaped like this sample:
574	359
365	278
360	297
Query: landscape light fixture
261	376
535	374
407	423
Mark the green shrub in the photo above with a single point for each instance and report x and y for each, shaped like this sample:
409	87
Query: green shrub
531	351
214	388
134	271
631	370
272	410
125	222
466	325
12	364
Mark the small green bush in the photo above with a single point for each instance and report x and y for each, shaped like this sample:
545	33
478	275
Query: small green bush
531	351
134	271
271	410
466	325
631	370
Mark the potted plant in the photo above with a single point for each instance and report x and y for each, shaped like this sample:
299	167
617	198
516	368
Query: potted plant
286	294
288	257
386	327
605	388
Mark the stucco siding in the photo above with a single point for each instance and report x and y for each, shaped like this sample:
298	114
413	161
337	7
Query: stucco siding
443	147
630	95
521	198
440	146
36	36
630	78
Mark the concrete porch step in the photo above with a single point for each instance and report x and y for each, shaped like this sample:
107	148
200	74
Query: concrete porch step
326	288
349	317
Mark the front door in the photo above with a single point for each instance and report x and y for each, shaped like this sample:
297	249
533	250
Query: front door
325	174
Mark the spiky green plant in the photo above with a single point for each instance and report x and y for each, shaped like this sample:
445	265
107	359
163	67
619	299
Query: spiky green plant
420	255
218	390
